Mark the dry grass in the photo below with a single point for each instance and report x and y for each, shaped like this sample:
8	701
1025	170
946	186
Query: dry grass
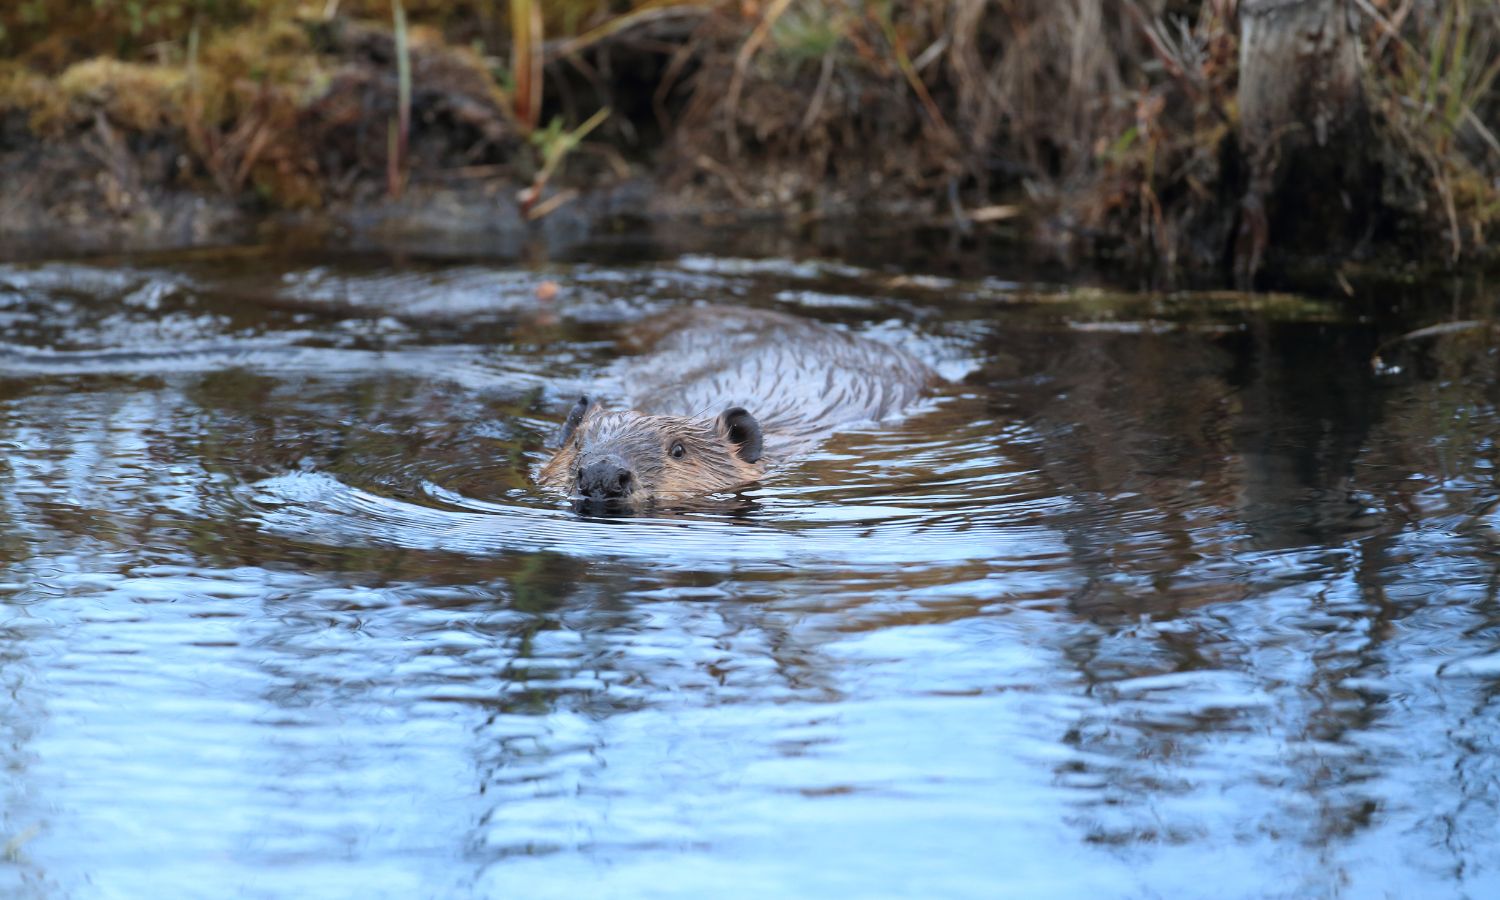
1114	119
1437	67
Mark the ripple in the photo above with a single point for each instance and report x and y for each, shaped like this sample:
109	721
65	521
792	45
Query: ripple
315	507
470	366
1159	581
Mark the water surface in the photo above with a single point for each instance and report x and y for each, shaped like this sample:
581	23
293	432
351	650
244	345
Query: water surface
1163	595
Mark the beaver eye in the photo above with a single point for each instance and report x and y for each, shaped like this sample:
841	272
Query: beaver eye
678	451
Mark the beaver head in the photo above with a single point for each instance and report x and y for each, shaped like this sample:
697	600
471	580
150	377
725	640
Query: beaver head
622	460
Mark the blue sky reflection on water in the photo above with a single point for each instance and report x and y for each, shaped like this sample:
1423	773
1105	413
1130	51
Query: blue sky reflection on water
1204	608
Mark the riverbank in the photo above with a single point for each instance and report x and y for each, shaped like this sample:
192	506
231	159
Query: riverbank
1086	131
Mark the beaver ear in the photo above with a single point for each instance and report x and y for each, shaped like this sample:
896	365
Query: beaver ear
575	415
743	431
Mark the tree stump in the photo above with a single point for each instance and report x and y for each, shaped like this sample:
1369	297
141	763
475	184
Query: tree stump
1303	130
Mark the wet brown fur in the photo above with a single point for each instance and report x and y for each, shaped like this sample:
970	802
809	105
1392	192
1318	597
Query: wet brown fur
800	380
644	443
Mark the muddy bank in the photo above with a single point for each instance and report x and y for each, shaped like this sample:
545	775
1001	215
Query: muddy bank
1086	129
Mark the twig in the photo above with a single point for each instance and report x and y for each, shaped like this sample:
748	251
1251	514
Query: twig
668	81
1482	129
726	175
903	62
556	149
550	204
742	63
933	52
1455	233
815	106
996	213
1163	53
1388	28
1377	361
633	19
257	145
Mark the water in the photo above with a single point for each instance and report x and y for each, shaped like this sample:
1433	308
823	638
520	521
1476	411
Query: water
1164	595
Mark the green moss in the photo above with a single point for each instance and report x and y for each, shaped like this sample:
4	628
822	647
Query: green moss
808	33
278	52
25	91
136	96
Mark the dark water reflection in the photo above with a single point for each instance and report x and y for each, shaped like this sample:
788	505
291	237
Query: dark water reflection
1165	596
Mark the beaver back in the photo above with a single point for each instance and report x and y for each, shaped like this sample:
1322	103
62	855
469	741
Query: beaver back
801	379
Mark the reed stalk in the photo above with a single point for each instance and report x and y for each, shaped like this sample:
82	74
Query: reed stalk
526	61
400	130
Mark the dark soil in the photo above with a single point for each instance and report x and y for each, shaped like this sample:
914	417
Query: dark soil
1118	153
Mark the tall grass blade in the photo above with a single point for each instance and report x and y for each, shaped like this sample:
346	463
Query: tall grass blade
401	129
1437	51
1458	68
526	60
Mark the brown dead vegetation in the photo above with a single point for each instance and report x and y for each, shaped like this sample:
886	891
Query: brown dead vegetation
273	116
1115	124
1119	123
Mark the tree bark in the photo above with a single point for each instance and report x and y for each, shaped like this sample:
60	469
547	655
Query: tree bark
1302	128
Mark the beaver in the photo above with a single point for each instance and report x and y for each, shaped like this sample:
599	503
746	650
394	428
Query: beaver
689	429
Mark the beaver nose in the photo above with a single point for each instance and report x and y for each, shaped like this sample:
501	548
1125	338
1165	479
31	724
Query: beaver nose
604	479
